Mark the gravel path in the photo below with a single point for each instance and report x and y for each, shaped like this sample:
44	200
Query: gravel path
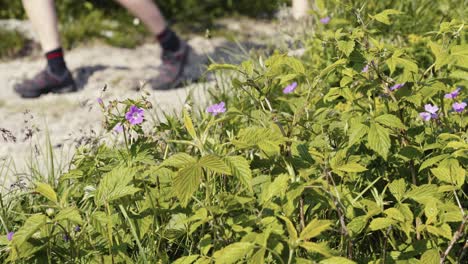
71	117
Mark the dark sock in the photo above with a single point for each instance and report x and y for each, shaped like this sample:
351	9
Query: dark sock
55	61
169	40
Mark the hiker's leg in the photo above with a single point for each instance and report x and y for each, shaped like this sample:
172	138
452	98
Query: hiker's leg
300	8
174	50
44	20
148	12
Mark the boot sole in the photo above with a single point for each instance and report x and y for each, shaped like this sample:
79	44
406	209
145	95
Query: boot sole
63	90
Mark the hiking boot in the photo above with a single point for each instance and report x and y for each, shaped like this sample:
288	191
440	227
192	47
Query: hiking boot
171	68
46	82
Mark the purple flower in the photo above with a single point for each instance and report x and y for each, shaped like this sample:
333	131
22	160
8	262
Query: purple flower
325	20
99	100
77	228
216	109
459	107
365	69
290	88
135	115
432	109
66	238
453	94
425	116
10	236
397	86
118	128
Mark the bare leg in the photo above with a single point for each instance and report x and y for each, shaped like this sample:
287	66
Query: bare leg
300	8
44	20
148	12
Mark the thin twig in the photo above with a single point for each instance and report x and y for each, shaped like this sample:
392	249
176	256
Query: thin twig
455	237
301	212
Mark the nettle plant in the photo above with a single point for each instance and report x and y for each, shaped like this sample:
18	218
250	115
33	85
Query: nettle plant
355	152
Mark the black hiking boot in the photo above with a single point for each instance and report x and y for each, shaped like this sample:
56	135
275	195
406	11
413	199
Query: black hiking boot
171	68
46	82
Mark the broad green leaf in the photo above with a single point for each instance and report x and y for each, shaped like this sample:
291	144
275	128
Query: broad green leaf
395	214
314	228
337	260
346	46
214	164
290	228
357	224
431	161
381	223
179	160
275	189
115	185
430	257
442	57
315	247
186	260
383	16
215	67
71	214
443	231
379	139
459	54
423	193
358	131
398	188
233	253
331	67
186	182
295	64
240	168
390	121
30	226
46	190
351	167
189	125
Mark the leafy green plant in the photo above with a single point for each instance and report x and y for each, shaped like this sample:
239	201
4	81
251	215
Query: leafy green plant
355	152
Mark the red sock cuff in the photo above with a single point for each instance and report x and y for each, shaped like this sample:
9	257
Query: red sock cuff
54	54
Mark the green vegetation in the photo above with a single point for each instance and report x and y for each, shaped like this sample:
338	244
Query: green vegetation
364	161
11	43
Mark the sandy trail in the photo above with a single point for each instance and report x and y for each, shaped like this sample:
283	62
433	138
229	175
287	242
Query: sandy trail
69	118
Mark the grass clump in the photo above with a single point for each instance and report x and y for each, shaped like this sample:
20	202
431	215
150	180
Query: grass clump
12	43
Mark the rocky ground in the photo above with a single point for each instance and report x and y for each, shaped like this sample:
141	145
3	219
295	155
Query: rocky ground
65	119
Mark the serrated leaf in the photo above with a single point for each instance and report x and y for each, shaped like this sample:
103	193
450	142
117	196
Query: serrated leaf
114	185
186	260
383	16
357	131
179	160
316	248
430	257
357	224
346	47
398	188
337	260
431	161
189	124
277	188
30	226
71	214
351	167
186	182
214	164
46	190
233	253
314	228
442	57
394	213
423	193
290	228
331	67
381	223
390	121
240	168
216	67
379	140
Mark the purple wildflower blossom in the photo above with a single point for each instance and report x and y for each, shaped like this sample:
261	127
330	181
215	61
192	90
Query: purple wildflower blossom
135	115
431	108
425	116
325	20
99	100
459	107
216	109
118	128
397	86
66	238
365	69
10	236
77	228
290	88
453	94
